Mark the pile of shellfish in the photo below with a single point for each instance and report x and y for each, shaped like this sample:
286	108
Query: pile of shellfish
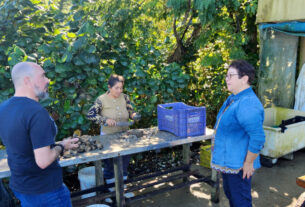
85	144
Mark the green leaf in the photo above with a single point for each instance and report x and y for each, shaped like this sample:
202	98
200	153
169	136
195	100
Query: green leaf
124	63
80	120
91	49
80	43
66	105
169	90
67	57
153	99
71	35
78	61
61	68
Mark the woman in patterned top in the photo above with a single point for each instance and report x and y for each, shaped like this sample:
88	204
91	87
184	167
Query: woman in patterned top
108	109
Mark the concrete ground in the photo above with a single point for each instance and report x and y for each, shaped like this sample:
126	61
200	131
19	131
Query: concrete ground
271	187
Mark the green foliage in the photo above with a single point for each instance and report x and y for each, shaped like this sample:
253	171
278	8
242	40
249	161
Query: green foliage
81	43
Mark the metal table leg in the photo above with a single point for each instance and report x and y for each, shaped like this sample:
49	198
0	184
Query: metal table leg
119	183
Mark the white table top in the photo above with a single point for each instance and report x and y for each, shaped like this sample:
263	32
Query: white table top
114	147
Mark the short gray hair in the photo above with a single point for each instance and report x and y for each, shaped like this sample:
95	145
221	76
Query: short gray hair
21	70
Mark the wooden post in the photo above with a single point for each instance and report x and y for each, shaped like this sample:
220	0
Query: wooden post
99	177
119	184
215	188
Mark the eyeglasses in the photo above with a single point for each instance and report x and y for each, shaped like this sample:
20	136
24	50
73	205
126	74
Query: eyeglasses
229	76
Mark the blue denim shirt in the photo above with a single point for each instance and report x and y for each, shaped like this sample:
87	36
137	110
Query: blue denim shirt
240	129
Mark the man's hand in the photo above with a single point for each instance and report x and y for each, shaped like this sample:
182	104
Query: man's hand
45	156
69	143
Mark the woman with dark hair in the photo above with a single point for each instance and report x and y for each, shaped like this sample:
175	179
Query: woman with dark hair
109	109
239	135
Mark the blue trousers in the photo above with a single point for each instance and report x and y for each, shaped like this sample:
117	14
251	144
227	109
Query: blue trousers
108	164
59	198
108	167
237	189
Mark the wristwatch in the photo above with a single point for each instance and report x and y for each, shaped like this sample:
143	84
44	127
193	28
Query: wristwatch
61	146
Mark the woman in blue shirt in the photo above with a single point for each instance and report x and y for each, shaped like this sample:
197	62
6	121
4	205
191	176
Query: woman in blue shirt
239	135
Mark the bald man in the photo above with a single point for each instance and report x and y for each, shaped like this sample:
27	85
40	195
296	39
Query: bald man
28	133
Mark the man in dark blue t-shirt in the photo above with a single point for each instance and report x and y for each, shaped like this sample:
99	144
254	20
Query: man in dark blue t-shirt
28	133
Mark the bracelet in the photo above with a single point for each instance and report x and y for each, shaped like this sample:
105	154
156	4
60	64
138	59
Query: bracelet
61	147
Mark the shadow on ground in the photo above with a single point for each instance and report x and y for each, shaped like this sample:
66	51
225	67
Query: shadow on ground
271	187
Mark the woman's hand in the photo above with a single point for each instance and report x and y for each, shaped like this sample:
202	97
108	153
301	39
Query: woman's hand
110	122
136	116
248	170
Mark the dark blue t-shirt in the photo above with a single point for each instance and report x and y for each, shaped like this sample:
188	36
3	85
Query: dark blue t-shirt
24	126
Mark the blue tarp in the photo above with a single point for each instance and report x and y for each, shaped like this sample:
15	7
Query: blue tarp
292	28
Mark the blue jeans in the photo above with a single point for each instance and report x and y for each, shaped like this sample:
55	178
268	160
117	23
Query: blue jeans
108	164
59	198
237	189
108	167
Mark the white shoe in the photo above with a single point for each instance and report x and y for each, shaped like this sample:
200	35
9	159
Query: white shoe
109	181
108	200
126	195
129	195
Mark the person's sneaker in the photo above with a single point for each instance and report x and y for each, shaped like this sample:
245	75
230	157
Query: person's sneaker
126	195
108	200
129	195
109	181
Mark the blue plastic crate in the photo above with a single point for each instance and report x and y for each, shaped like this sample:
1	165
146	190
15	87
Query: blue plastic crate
181	119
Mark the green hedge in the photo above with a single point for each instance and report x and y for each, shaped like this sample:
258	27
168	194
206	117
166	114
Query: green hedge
81	43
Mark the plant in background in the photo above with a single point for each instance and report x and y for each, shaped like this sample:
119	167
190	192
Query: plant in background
167	50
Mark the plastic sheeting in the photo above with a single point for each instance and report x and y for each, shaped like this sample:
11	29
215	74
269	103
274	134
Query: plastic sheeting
291	28
300	91
280	10
276	78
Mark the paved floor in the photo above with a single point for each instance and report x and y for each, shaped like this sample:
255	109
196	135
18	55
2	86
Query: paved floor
271	187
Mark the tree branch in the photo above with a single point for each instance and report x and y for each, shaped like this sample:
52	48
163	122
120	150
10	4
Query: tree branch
237	22
187	26
187	13
179	42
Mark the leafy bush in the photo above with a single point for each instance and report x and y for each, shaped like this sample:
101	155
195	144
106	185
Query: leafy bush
81	43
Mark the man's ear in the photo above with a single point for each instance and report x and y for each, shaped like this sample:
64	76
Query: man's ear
27	80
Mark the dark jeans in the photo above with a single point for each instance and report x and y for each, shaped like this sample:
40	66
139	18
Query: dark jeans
58	198
237	189
108	167
108	164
